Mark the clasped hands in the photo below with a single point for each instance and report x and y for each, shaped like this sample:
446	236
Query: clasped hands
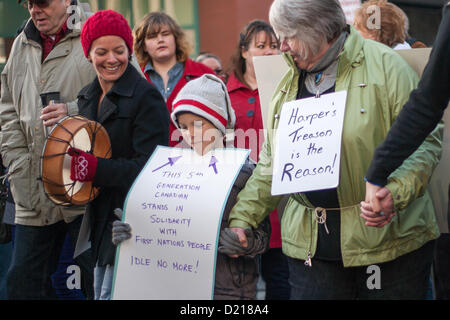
378	207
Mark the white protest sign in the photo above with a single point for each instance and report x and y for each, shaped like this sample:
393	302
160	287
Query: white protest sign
175	208
416	58
349	7
269	71
308	144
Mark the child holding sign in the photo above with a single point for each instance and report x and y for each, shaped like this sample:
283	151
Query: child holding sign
203	113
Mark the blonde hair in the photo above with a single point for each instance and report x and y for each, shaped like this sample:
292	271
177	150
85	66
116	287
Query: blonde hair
391	30
152	23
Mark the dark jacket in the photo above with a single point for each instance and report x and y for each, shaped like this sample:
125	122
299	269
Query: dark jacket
135	116
236	278
421	113
192	70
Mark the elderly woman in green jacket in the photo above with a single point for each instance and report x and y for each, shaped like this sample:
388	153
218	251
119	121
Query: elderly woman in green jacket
344	258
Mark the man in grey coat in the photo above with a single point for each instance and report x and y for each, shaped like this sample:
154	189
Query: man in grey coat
46	57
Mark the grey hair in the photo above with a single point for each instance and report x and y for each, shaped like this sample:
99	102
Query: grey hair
206	55
313	22
406	23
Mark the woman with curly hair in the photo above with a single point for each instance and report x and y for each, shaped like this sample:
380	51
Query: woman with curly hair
382	21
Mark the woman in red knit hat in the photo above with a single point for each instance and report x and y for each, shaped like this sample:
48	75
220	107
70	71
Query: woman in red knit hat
135	116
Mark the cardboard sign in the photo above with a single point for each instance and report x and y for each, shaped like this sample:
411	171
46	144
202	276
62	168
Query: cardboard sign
308	144
349	7
416	58
175	210
269	71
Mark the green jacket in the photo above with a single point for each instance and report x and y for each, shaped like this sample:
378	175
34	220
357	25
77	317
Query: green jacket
387	80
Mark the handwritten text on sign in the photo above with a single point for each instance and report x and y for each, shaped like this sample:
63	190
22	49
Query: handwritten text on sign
308	144
174	209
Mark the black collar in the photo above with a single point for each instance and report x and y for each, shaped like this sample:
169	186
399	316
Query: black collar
126	85
31	32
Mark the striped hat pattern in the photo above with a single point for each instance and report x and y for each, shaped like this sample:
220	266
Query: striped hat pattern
207	97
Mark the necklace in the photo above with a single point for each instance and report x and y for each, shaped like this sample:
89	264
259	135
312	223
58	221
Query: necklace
318	78
323	80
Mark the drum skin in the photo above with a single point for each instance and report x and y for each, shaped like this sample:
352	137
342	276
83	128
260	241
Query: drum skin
77	132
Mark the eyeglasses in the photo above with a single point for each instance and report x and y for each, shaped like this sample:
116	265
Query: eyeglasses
40	3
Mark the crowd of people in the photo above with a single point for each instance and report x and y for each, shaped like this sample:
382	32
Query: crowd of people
143	87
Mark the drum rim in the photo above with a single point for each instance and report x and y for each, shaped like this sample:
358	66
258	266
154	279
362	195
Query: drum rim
94	191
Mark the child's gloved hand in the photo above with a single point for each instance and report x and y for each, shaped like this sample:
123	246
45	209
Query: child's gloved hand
121	231
229	243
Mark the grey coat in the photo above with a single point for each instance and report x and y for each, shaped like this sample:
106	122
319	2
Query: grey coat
23	136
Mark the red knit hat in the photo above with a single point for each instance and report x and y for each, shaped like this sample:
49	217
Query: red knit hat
105	23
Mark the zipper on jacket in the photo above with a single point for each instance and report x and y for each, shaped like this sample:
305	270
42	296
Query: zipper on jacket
308	261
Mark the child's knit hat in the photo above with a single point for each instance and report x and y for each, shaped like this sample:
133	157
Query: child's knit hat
206	96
